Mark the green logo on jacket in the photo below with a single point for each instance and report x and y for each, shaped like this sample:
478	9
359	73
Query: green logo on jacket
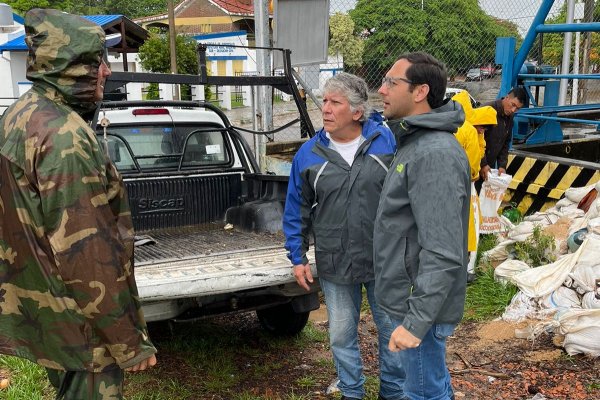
400	168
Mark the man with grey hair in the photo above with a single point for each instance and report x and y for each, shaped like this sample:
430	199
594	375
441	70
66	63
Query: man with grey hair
333	192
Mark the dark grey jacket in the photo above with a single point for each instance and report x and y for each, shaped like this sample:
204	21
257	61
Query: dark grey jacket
497	139
420	237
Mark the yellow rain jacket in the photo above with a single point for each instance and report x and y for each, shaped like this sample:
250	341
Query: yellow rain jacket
474	145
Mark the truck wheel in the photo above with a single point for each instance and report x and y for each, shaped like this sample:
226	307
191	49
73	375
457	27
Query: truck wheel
282	320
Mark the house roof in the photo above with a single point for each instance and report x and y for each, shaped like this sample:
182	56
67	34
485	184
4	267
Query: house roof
231	7
236	6
134	34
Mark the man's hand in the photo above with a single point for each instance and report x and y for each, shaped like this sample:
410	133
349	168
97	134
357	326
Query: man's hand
302	273
402	339
501	171
484	171
147	363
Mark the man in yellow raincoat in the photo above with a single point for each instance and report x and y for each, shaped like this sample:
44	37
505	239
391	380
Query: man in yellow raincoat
470	136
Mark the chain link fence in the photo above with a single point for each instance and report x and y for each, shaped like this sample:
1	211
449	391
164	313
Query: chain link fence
461	33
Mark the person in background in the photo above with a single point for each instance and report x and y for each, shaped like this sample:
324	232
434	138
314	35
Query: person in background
333	193
471	138
498	137
303	128
420	236
68	298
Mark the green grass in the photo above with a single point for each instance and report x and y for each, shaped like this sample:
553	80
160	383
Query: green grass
486	298
27	380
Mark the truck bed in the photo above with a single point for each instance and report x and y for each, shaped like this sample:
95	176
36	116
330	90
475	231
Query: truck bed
197	241
198	262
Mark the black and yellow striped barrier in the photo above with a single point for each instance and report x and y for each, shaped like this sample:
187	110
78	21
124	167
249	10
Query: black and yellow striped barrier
540	180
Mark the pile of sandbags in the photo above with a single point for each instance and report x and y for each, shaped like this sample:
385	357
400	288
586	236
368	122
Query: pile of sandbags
563	296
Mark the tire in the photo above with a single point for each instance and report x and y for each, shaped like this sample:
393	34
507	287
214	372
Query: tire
282	320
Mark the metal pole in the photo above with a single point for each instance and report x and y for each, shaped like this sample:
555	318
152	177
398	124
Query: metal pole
588	14
575	90
172	46
566	60
263	65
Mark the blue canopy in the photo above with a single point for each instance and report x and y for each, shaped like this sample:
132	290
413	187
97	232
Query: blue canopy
18	43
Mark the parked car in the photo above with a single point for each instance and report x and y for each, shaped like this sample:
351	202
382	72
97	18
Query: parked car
450	92
474	74
488	71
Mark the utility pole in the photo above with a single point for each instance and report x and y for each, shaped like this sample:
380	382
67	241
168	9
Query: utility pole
264	102
566	61
172	46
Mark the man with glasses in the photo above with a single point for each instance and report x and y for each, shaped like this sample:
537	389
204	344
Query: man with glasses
420	233
498	137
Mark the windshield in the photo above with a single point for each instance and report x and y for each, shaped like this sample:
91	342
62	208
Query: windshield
158	147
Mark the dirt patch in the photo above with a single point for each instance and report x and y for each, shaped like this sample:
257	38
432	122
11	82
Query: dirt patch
485	360
543	355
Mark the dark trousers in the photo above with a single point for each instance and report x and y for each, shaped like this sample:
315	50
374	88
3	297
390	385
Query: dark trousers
78	385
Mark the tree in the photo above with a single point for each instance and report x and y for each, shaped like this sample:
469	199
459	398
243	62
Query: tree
22	6
458	32
343	41
155	55
129	8
553	44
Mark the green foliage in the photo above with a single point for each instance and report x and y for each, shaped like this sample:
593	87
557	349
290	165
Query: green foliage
458	32
486	298
130	8
553	44
343	41
28	380
155	54
537	249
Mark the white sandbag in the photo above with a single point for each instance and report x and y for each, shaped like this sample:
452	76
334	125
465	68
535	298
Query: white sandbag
590	301
577	193
572	212
593	225
561	298
587	270
500	252
585	341
521	307
490	197
564	202
594	210
503	272
521	232
580	328
543	218
541	281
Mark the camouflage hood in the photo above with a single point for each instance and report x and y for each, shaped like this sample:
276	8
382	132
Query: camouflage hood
65	52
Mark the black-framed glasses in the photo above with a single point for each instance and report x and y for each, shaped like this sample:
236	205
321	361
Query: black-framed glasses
390	81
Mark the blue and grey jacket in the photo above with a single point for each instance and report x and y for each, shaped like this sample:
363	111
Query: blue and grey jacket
422	223
337	203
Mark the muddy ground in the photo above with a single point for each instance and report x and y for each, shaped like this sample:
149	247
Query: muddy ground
485	359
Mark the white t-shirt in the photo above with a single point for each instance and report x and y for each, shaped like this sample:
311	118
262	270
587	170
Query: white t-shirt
346	150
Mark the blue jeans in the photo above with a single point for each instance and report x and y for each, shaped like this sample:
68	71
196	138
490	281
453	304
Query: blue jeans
427	376
343	311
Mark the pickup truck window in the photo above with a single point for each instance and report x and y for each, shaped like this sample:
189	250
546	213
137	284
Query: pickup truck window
161	147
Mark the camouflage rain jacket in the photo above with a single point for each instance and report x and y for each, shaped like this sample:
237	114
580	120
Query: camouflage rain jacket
68	298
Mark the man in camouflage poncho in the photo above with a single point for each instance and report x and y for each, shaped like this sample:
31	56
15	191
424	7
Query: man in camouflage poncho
68	298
